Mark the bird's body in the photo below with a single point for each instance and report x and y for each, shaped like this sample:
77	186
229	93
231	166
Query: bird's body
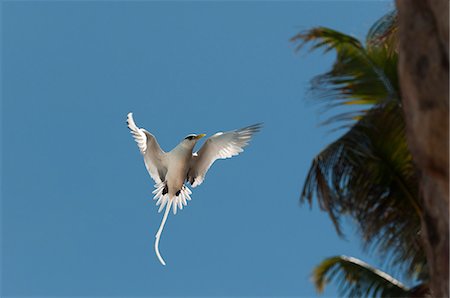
171	170
178	161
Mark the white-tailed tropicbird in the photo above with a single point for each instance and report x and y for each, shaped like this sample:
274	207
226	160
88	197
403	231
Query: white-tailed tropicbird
171	169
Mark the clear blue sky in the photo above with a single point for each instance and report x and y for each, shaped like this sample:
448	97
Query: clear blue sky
77	215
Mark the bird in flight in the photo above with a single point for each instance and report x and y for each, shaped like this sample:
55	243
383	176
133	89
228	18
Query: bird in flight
172	170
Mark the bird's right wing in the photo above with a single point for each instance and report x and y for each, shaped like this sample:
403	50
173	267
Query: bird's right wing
220	146
154	156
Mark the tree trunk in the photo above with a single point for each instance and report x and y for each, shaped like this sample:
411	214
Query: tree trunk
424	80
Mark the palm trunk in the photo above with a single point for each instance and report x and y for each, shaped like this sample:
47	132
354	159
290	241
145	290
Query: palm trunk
424	81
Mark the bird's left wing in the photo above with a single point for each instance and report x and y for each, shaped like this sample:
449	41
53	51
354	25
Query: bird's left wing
154	156
220	146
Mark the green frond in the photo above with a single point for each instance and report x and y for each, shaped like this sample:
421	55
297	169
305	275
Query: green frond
355	278
383	32
328	39
359	76
368	174
365	101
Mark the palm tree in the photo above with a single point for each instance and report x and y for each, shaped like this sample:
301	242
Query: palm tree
368	173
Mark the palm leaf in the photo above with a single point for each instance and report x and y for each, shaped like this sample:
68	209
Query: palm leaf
358	279
359	76
372	179
384	32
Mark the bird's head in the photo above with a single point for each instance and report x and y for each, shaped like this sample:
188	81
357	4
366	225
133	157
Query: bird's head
191	140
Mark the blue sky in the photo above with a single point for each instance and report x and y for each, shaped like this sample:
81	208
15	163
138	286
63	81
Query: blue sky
77	215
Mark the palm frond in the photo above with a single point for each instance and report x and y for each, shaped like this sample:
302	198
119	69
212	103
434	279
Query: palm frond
355	278
383	32
329	39
368	174
359	76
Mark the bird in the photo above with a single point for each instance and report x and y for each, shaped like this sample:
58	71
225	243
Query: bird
173	170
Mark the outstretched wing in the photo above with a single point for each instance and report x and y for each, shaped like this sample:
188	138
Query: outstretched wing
154	156
220	146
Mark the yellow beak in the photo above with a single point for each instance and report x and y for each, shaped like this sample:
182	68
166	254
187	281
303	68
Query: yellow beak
198	137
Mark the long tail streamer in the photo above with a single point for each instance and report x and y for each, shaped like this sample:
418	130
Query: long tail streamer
158	234
165	201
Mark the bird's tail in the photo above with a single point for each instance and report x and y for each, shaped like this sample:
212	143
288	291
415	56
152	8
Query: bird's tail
163	200
158	234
